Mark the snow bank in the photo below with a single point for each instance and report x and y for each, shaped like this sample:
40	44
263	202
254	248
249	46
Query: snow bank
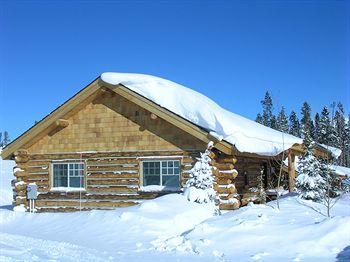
117	232
246	135
170	228
6	175
262	232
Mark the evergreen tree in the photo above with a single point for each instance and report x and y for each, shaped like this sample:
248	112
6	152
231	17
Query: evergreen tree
200	185
267	110
273	122
340	130
282	121
310	183
317	133
326	129
6	139
294	125
306	122
347	143
258	119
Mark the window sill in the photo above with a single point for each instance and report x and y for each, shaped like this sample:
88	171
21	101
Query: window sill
155	188
67	189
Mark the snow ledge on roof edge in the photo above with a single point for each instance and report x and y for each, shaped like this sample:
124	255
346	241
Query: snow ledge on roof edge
245	134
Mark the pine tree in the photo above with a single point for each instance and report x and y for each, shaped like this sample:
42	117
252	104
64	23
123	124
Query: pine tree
273	122
258	118
310	183
6	139
340	130
327	134
347	143
317	133
267	110
282	121
294	125
200	185
306	122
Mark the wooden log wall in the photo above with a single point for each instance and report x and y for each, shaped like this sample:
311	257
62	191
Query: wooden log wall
112	179
249	169
225	175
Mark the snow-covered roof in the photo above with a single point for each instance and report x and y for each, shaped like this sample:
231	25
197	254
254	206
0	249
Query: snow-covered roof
245	134
341	170
336	152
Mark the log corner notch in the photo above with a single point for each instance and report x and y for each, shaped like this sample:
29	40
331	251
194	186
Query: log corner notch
21	156
291	170
225	175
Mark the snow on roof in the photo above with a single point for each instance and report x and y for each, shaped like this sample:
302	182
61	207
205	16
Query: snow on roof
247	135
336	152
341	170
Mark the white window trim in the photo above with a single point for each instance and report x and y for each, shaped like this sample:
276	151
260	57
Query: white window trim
68	188
161	174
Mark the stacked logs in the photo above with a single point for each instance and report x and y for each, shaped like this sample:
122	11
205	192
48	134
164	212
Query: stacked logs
19	185
225	175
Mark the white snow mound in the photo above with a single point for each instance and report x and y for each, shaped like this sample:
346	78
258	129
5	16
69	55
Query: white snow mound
246	135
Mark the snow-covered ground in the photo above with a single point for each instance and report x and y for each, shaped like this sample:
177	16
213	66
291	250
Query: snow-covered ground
172	229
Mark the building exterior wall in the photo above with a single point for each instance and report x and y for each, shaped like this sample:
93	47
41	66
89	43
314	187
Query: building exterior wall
111	136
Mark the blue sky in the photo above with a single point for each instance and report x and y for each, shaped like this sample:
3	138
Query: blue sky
232	51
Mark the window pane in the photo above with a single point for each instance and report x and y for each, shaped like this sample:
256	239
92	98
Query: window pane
170	163
176	171
157	171
151	175
60	175
164	164
171	181
164	171
76	182
151	180
170	171
176	163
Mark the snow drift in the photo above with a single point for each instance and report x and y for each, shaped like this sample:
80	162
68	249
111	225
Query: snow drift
246	135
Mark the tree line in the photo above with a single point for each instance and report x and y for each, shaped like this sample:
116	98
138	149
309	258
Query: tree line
328	127
4	139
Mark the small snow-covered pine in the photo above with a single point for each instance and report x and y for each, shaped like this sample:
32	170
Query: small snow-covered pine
310	183
200	185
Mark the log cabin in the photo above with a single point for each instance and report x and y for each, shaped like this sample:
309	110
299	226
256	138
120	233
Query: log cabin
126	138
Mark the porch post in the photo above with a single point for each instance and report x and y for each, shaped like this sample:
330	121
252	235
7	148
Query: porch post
291	170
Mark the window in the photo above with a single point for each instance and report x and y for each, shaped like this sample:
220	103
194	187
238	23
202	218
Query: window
68	175
162	173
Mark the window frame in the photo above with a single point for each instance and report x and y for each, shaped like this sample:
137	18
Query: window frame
83	187
161	172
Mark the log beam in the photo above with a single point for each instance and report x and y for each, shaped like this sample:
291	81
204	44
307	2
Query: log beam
21	156
62	123
291	170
